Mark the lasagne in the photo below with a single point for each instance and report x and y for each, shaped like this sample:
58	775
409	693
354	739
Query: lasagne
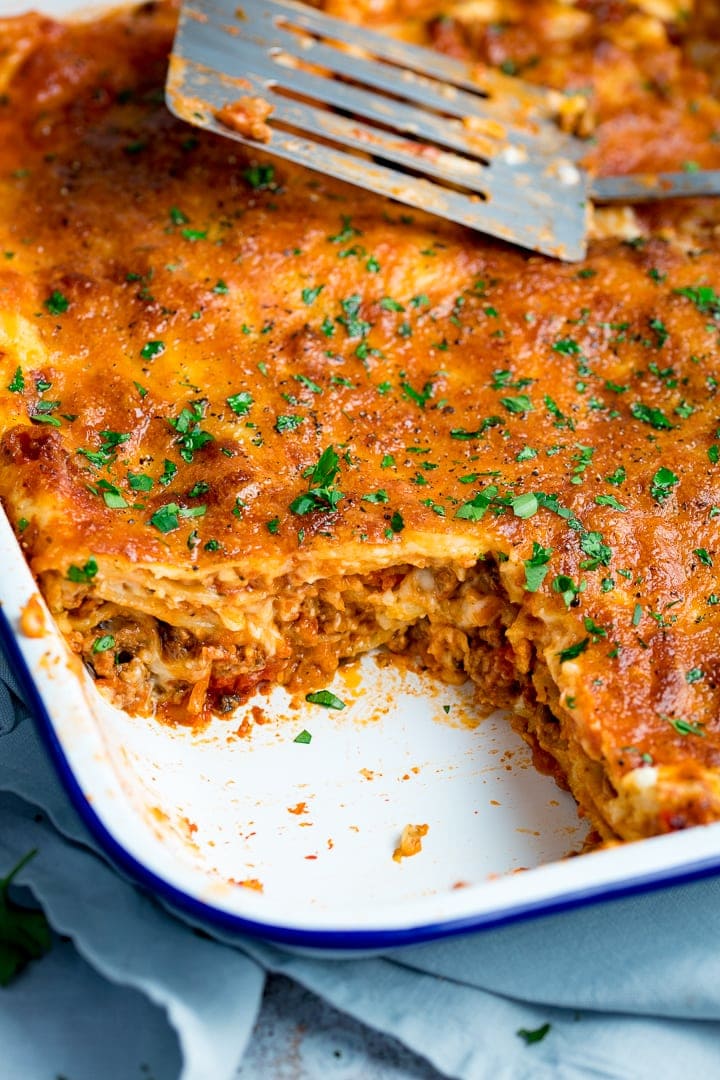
254	422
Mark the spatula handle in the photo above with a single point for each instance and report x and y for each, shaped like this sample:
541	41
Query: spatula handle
642	186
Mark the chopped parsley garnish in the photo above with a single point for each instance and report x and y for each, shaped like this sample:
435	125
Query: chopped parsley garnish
322	493
567	347
502	378
703	556
704	297
56	303
566	587
684	727
611	501
24	934
475	508
151	349
347	231
177	217
519	403
618	477
260	177
169	472
309	296
308	383
694	675
663	482
240	403
537	1034
17	383
325	698
420	397
536	567
139	481
656	418
166	519
661	331
592	544
221	287
288	423
524	506
592	628
488	422
582	459
273	525
112	495
103	644
561	421
41	413
397	523
551	503
304	737
356	327
379	496
191	436
574	650
83	574
388	304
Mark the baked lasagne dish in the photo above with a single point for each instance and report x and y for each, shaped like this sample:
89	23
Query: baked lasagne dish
254	422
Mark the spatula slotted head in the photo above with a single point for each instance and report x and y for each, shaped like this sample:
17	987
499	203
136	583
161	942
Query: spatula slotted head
467	144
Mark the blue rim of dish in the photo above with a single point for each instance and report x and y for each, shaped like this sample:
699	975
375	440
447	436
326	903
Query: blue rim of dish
205	914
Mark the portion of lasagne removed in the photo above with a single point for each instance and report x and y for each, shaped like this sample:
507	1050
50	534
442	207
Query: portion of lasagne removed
254	422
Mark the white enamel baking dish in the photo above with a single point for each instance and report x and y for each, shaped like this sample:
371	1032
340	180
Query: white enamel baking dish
293	841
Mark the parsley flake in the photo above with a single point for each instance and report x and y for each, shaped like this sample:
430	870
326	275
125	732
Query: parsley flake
151	349
574	650
663	482
322	493
309	296
325	698
56	303
656	418
103	644
24	934
84	573
536	567
240	403
17	383
288	423
684	727
534	1036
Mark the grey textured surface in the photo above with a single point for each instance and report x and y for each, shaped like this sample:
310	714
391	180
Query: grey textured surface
300	1037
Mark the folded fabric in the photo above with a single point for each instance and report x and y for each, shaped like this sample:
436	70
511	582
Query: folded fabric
630	988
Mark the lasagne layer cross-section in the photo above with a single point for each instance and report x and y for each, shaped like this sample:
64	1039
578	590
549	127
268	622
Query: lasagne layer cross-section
254	422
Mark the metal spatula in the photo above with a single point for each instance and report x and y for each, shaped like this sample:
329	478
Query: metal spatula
466	143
